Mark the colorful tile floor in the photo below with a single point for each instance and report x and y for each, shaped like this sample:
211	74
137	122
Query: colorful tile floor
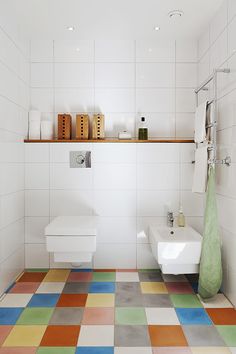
113	312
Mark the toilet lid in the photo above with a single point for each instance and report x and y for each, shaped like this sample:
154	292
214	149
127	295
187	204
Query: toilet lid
72	226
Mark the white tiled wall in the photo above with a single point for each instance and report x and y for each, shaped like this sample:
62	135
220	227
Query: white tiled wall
128	187
14	103
217	48
123	79
128	183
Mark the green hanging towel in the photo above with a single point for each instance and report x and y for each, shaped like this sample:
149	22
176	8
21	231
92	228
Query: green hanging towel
210	277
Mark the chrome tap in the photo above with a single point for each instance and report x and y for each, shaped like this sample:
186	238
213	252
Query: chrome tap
170	219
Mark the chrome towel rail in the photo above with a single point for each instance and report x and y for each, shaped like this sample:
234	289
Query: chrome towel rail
214	115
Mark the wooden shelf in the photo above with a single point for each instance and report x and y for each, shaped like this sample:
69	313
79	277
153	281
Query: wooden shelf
110	140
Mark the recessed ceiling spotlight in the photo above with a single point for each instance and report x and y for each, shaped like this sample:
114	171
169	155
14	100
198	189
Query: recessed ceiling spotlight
175	13
157	28
70	28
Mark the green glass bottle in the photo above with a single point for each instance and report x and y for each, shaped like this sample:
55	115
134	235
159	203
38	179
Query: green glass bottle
143	130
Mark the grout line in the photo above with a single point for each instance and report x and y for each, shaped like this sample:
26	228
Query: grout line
14	42
94	76
12	71
114	87
18	105
175	90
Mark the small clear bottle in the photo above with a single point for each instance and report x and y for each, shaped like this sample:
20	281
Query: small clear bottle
143	130
181	218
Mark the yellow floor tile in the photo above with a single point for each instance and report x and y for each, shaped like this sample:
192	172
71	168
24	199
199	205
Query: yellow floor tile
153	288
100	300
212	350
25	336
57	275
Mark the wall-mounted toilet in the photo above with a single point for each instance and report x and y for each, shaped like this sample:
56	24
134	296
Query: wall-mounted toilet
177	250
71	238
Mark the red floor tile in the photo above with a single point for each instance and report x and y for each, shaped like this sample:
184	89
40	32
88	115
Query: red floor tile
167	336
18	350
179	288
32	277
77	276
72	300
24	288
226	316
96	316
4	331
60	336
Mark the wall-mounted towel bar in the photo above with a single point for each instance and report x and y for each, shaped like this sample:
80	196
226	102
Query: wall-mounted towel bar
226	161
213	124
210	78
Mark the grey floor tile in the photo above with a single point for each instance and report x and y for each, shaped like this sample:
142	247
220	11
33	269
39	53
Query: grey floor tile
76	288
202	336
128	294
128	288
67	316
132	336
150	276
157	300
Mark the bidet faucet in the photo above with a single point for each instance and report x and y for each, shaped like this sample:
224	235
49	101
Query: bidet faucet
170	219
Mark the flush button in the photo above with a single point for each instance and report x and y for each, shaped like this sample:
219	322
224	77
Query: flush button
80	159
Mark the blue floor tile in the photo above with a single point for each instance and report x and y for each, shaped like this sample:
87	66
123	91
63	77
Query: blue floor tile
43	300
195	287
102	287
9	316
196	316
95	350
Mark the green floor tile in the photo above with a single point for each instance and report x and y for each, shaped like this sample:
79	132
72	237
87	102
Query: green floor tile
35	316
104	276
56	350
185	301
228	333
130	316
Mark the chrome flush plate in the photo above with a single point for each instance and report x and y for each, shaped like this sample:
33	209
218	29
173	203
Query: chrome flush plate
80	159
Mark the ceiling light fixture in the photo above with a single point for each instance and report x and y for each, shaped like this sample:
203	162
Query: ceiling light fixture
175	13
157	28
70	28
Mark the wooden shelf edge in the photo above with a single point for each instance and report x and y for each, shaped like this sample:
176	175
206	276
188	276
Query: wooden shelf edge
160	140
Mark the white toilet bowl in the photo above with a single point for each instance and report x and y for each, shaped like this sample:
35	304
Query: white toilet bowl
71	238
177	250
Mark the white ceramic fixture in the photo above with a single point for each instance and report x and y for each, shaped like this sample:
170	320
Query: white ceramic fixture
71	238
177	250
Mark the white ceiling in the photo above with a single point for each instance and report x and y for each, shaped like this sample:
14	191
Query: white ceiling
112	18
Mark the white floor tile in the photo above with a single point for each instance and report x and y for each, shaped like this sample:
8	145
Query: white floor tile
91	336
15	300
127	276
136	350
212	350
219	301
51	288
161	316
